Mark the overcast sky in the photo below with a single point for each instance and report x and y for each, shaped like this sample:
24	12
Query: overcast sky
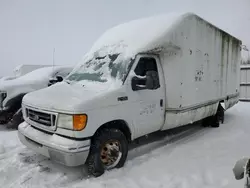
30	29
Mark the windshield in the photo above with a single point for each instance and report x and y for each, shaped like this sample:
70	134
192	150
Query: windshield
101	69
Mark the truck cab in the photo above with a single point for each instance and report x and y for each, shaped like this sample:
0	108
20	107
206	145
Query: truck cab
63	120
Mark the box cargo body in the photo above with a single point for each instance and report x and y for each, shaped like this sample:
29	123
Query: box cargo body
204	70
140	77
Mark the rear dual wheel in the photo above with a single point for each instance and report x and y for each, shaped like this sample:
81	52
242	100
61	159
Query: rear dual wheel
108	150
215	120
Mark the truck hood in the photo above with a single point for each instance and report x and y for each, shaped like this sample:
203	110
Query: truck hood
70	98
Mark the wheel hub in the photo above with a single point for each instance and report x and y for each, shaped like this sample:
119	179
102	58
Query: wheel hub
110	152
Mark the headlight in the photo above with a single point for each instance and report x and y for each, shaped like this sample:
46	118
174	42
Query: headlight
73	122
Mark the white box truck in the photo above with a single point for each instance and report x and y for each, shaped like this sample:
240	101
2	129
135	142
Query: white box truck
140	77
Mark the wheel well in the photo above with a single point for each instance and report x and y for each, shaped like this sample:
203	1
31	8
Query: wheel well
16	102
117	124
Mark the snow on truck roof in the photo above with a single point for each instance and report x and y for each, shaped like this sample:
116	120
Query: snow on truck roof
137	36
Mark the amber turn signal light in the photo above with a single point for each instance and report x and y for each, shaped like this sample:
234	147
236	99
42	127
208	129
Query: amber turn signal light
79	122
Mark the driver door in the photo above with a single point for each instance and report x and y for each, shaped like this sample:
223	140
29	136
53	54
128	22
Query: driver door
147	104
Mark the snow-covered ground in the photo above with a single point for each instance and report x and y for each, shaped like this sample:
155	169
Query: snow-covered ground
192	157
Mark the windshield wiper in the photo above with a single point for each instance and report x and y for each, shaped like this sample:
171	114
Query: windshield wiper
67	81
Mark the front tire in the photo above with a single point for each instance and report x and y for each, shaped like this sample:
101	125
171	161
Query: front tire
109	149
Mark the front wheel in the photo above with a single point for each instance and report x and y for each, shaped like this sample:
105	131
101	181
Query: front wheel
109	149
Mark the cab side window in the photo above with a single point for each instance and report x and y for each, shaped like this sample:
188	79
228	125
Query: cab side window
146	74
145	64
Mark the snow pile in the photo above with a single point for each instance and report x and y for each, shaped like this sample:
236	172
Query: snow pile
137	35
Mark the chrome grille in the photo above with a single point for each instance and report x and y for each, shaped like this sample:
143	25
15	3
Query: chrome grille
43	118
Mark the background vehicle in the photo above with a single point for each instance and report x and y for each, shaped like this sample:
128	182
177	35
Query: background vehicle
140	77
6	78
12	91
22	70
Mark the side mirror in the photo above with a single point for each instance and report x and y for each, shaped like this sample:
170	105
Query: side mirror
239	168
55	80
59	78
137	83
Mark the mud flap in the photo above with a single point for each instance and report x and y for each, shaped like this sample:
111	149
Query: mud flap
223	105
221	111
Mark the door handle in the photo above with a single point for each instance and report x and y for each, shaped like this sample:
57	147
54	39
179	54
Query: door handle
161	103
124	98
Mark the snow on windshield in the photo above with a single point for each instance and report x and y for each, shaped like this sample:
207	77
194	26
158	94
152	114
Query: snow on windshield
101	69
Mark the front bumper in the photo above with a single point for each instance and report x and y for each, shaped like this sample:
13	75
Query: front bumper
59	149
